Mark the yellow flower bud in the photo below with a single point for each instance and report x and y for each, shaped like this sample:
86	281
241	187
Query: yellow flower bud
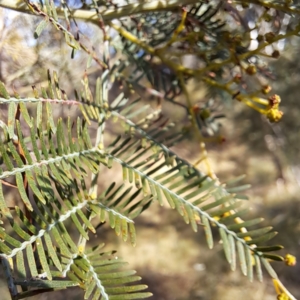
251	70
283	296
274	101
260	38
270	37
290	260
275	54
274	115
266	89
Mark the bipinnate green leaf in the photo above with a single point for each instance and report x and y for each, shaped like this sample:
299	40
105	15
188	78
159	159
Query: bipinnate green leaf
51	161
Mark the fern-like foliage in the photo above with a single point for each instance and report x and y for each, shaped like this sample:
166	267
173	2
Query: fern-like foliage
52	162
55	172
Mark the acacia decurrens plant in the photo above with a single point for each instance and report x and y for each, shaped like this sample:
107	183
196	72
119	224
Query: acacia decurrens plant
147	51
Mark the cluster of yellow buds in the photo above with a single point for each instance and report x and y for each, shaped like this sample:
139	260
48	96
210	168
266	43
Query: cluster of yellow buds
272	106
273	112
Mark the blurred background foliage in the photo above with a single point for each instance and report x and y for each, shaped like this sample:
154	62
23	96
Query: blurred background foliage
175	267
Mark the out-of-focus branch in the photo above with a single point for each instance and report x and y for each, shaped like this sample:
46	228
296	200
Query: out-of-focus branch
108	14
284	6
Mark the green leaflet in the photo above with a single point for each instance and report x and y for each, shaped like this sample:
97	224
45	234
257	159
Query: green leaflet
43	258
55	284
231	245
31	261
12	109
226	244
258	268
20	265
242	257
42	25
268	267
9	240
207	230
3	91
248	255
263	238
22	191
52	252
